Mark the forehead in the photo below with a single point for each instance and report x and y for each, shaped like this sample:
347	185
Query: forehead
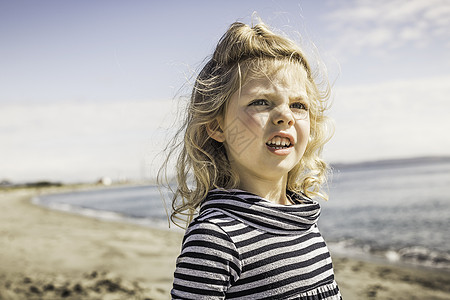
273	77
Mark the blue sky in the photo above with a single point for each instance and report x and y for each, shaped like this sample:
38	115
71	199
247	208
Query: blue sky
89	88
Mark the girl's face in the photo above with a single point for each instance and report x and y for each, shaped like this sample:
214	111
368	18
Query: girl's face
266	126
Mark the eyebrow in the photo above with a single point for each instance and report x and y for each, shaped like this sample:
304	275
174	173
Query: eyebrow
299	97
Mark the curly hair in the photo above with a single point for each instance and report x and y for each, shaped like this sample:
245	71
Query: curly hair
202	163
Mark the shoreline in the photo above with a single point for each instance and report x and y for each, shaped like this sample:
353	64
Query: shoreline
48	254
403	256
107	216
381	259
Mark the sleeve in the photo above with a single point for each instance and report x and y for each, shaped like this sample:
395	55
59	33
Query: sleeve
208	264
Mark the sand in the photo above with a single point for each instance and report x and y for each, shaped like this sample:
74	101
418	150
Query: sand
46	254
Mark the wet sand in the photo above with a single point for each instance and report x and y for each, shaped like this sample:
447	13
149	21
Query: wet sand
47	254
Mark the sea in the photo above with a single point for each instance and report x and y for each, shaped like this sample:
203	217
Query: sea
397	211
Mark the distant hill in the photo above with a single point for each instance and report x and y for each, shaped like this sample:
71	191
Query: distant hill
388	163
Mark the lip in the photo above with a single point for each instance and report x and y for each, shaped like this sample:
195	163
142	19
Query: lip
281	152
284	151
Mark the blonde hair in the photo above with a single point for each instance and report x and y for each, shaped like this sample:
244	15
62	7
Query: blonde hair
202	162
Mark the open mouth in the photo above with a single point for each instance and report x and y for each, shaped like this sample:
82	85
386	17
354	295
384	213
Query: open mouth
278	142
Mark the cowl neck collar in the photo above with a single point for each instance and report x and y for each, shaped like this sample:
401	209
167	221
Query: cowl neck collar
260	213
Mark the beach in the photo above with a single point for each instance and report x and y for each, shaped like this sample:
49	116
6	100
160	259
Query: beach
46	254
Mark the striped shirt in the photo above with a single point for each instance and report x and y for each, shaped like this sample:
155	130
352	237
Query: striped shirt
242	246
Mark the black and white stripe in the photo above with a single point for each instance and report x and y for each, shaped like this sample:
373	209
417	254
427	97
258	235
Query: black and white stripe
242	246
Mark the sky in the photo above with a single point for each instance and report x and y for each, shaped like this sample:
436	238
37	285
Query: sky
93	88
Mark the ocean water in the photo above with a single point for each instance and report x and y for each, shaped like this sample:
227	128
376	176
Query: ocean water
136	204
394	210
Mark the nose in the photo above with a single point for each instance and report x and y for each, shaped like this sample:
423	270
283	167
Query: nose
283	115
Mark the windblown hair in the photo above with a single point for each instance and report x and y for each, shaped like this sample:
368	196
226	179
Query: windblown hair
242	54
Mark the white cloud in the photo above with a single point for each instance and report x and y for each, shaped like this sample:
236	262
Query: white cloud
83	141
409	34
79	141
369	25
392	119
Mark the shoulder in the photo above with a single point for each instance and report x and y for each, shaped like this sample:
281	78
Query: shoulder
208	234
209	227
207	242
214	220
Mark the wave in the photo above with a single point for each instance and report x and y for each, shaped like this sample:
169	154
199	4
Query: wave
410	255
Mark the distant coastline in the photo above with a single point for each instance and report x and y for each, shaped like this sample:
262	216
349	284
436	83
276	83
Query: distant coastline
395	162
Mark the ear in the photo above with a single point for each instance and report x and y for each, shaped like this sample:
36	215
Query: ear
215	131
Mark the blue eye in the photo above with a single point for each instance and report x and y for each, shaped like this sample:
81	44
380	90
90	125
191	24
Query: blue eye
259	102
299	105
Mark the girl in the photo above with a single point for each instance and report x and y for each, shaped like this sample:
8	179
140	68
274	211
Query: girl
250	162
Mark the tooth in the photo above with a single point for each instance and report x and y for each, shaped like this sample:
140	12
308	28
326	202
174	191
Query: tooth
279	141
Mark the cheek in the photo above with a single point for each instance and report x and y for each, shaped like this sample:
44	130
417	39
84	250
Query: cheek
304	130
240	132
257	120
308	130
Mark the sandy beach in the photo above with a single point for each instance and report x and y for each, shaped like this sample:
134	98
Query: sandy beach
46	254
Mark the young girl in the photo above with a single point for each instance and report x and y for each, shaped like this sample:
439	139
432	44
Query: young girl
250	163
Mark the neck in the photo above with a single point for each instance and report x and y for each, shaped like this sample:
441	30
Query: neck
272	190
